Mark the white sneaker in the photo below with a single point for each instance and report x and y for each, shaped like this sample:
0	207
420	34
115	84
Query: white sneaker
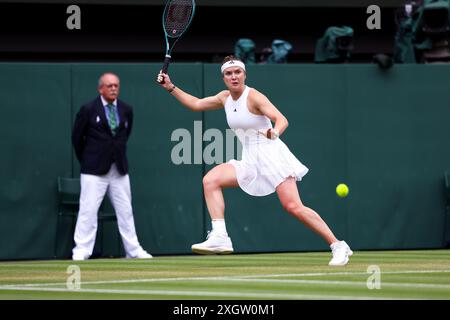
141	255
215	243
78	256
341	251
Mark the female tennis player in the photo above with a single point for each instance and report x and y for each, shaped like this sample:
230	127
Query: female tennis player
267	164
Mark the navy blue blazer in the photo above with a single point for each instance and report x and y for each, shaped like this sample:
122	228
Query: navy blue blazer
95	146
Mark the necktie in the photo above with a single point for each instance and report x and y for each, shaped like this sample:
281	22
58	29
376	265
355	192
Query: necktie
112	118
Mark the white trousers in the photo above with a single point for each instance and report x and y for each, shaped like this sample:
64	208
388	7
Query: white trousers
93	189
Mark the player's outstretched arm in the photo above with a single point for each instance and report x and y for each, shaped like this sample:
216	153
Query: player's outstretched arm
190	101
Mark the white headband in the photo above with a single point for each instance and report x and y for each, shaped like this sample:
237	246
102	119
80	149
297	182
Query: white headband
232	63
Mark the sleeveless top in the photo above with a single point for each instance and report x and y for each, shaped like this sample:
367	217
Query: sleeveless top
244	123
265	163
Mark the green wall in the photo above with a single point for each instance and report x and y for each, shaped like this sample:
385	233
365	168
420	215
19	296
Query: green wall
384	133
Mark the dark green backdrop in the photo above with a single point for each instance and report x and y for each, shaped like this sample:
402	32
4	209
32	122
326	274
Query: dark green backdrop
384	133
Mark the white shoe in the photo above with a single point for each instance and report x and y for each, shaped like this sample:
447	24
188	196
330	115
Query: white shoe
341	251
215	243
141	255
78	256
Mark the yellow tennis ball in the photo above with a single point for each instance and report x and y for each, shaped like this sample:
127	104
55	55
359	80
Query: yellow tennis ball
342	190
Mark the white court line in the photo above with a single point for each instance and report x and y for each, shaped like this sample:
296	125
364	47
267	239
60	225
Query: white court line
231	277
257	295
238	279
122	281
254	278
345	273
348	283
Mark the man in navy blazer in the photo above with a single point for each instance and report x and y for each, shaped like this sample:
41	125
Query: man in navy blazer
99	137
95	146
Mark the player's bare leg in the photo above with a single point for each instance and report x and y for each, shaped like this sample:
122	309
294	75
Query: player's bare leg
290	200
221	176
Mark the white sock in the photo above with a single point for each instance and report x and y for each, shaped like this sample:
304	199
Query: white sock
218	225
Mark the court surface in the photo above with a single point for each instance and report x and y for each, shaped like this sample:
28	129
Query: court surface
409	274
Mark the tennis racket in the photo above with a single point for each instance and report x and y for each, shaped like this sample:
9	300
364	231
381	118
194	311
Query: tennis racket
176	19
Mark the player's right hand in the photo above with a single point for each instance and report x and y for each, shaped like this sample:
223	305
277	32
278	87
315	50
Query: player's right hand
164	80
160	77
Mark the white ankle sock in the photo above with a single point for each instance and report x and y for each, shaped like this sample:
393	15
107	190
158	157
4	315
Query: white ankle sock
218	225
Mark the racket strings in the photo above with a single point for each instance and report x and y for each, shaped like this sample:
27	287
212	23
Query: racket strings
178	16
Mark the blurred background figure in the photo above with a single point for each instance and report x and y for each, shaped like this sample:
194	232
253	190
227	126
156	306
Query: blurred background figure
403	47
423	30
280	50
244	49
335	46
265	53
431	31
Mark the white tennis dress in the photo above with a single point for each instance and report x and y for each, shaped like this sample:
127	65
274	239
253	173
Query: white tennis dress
265	163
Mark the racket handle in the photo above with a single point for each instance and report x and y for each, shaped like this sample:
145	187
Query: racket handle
165	66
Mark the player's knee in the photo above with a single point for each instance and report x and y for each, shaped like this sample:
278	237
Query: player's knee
293	207
209	182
